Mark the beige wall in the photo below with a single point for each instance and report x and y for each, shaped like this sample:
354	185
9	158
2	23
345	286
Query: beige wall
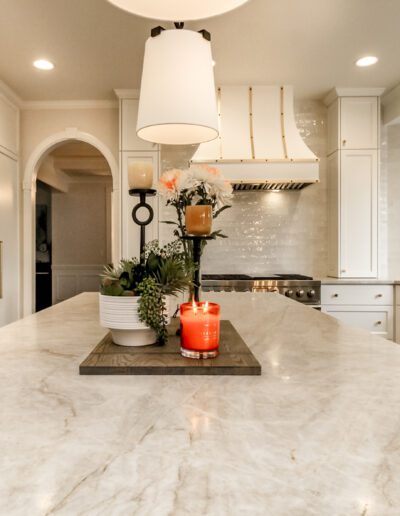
81	224
39	124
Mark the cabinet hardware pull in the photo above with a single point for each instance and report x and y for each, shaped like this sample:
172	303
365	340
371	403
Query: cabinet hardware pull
379	295
378	322
335	295
344	143
343	270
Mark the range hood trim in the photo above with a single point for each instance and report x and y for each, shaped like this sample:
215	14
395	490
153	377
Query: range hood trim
263	117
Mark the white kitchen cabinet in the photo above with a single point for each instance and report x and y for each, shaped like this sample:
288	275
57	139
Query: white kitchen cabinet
130	230
129	140
363	306
9	127
353	123
359	127
397	314
9	234
132	149
353	214
358	214
378	320
339	294
353	175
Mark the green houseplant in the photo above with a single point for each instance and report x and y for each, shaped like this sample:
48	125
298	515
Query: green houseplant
134	294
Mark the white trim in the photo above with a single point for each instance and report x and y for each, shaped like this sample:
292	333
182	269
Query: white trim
69	104
9	94
8	153
127	94
352	92
7	99
29	195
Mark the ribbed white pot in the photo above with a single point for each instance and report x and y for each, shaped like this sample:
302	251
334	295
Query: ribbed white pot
120	314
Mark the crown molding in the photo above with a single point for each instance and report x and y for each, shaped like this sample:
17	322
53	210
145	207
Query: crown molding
69	104
127	94
352	92
391	95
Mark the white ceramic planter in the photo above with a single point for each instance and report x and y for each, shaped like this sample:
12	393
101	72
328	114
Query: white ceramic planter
120	314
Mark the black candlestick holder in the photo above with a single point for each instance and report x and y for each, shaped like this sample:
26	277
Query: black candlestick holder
142	193
197	250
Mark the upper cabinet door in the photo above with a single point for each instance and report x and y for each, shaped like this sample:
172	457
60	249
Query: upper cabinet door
359	123
129	140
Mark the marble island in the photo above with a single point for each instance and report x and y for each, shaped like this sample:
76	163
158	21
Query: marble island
317	434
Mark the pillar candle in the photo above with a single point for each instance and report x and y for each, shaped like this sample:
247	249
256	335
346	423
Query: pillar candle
140	174
200	329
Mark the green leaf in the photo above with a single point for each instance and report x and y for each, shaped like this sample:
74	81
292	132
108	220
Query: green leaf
221	210
169	222
112	290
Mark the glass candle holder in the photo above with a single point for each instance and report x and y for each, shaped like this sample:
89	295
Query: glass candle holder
200	329
140	175
198	219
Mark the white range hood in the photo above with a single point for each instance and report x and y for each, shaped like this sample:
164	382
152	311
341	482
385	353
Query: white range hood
259	146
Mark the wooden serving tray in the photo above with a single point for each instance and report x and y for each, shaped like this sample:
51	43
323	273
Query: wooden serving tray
234	358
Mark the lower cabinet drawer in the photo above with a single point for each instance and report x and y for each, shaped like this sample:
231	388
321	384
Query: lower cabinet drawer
375	319
357	295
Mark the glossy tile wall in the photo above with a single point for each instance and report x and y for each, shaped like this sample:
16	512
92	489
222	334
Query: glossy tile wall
285	231
389	205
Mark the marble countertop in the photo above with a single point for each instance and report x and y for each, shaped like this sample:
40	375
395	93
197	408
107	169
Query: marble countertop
317	434
357	281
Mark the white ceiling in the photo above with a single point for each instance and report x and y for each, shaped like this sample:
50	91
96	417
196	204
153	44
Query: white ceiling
96	47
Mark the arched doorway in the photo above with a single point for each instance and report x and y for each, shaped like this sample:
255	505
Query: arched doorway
29	215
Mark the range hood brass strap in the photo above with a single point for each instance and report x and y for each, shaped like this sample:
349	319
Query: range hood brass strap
283	124
219	121
253	155
258	160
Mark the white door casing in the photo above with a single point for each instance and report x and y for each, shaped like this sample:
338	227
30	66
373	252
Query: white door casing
29	195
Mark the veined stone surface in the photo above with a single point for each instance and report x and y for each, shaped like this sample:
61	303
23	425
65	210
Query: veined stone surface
317	434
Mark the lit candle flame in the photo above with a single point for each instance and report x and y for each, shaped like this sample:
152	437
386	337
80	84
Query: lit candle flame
205	308
194	306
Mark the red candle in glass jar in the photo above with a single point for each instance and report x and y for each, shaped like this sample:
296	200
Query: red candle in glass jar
200	323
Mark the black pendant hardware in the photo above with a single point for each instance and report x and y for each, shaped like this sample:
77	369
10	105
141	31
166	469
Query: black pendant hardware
206	35
156	31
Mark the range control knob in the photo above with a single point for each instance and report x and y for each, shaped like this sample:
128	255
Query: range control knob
311	293
300	293
289	293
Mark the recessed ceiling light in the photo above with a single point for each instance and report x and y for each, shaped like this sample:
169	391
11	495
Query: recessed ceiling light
43	64
366	61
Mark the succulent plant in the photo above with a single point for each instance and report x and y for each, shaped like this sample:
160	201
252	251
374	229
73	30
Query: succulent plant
162	271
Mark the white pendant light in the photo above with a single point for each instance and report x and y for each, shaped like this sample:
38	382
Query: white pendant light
177	103
177	10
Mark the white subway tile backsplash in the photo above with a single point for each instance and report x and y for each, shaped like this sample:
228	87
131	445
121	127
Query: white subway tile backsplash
287	231
268	231
389	205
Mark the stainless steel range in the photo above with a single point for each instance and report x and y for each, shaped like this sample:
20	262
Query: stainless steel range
295	286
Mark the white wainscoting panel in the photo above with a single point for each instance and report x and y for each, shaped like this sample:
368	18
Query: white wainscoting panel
71	280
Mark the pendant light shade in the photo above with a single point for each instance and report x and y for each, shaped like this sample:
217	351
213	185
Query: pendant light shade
177	103
177	10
